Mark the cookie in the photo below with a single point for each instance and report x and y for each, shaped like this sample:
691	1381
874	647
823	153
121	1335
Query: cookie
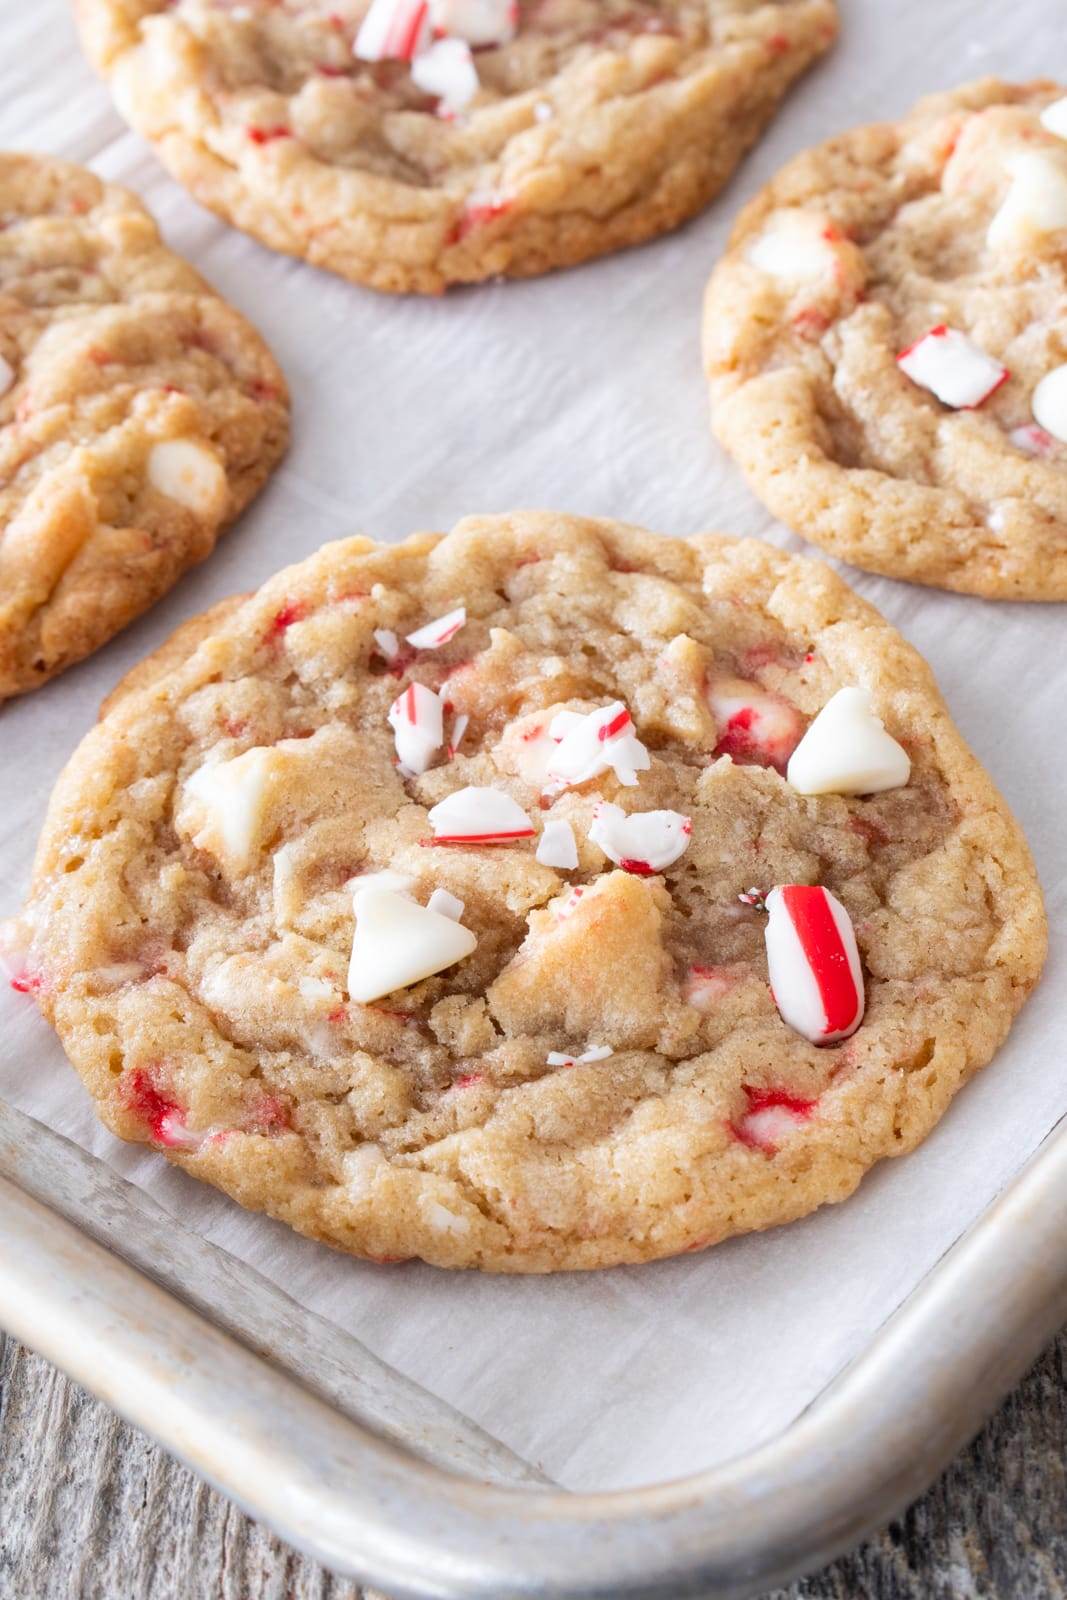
886	343
412	145
429	903
139	414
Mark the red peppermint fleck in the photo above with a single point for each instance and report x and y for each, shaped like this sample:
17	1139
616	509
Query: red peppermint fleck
329	71
260	390
267	135
154	1108
292	611
640	869
615	726
27	983
811	324
99	357
868	829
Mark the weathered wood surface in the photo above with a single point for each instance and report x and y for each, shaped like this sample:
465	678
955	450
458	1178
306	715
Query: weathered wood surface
91	1510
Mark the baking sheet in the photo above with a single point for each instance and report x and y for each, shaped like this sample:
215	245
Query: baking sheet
581	392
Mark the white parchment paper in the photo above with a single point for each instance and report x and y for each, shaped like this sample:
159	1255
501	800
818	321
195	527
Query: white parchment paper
581	392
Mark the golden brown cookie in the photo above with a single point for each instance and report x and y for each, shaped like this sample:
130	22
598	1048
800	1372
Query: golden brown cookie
886	341
427	905
139	414
558	130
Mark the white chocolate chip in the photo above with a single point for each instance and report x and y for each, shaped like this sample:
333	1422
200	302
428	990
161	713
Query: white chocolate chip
649	841
360	1166
1036	201
189	473
398	943
440	1218
848	751
1049	404
447	71
1054	118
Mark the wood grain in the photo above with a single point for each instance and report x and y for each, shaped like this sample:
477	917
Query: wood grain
91	1510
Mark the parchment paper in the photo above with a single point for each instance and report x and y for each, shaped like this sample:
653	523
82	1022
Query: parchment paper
581	392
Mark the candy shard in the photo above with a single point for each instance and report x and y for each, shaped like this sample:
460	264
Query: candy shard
847	750
556	846
393	30
952	367
434	634
643	841
398	943
603	741
813	963
478	815
477	22
445	904
1049	403
754	728
595	1052
417	721
1054	118
447	71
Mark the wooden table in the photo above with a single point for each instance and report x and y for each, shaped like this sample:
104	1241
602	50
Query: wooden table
91	1510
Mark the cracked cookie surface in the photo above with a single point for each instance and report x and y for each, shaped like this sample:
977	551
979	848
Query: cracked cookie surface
139	413
597	126
606	1077
950	222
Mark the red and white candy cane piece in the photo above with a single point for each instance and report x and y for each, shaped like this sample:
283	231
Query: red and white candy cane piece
417	721
813	962
754	727
602	741
447	71
952	367
556	846
479	816
478	22
393	30
595	1052
644	842
435	634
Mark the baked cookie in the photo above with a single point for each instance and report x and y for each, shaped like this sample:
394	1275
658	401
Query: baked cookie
139	413
886	342
429	905
412	144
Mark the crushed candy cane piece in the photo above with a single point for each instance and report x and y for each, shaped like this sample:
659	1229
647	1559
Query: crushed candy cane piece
447	72
1031	440
393	30
477	22
847	750
557	847
1036	201
388	644
190	474
813	963
644	842
7	375
755	728
772	1115
398	942
753	897
1049	404
417	721
445	904
595	1052
603	741
459	728
706	986
1054	118
435	634
952	367
479	815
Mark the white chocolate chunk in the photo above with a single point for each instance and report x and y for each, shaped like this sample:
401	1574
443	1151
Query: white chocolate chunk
398	943
645	840
556	846
7	375
417	721
445	904
1054	118
437	633
1036	201
447	71
388	643
478	22
1049	404
848	751
189	473
793	247
479	815
224	804
398	882
952	367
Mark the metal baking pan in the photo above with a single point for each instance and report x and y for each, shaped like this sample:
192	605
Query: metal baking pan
374	1477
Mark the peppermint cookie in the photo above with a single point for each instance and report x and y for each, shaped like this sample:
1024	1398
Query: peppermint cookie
886	341
412	144
139	413
547	895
